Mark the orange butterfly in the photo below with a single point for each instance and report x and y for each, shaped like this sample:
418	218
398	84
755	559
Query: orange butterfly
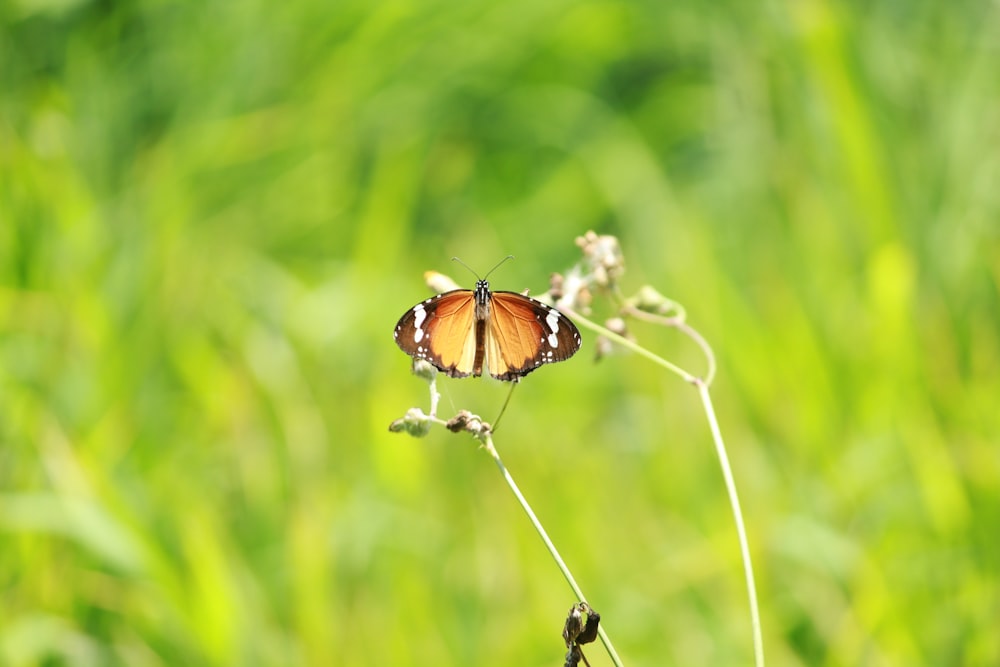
462	331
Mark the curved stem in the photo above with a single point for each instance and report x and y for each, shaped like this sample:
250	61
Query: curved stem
631	345
734	502
720	448
679	324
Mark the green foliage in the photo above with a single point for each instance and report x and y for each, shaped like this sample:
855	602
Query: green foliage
212	214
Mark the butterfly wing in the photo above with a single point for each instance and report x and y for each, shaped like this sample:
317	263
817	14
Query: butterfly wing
441	330
524	333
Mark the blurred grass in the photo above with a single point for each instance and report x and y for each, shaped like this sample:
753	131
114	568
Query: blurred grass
212	214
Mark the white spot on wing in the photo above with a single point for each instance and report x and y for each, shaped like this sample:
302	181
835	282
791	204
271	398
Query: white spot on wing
419	315
552	319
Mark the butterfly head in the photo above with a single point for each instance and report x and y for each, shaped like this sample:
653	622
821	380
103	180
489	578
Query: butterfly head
482	293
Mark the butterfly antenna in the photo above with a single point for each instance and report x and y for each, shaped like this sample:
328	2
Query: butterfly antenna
456	259
497	266
496	421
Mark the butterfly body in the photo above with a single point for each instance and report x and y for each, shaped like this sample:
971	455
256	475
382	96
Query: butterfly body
461	332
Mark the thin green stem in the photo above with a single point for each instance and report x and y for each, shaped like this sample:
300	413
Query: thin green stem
734	501
631	345
682	326
488	444
720	448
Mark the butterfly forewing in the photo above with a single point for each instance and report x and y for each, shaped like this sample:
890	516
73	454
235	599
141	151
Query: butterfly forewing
441	331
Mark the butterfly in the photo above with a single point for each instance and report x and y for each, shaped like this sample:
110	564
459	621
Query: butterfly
509	334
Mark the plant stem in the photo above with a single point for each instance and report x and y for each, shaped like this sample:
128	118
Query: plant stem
487	441
734	502
631	345
720	448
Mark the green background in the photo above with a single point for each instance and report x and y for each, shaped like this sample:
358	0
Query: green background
213	213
